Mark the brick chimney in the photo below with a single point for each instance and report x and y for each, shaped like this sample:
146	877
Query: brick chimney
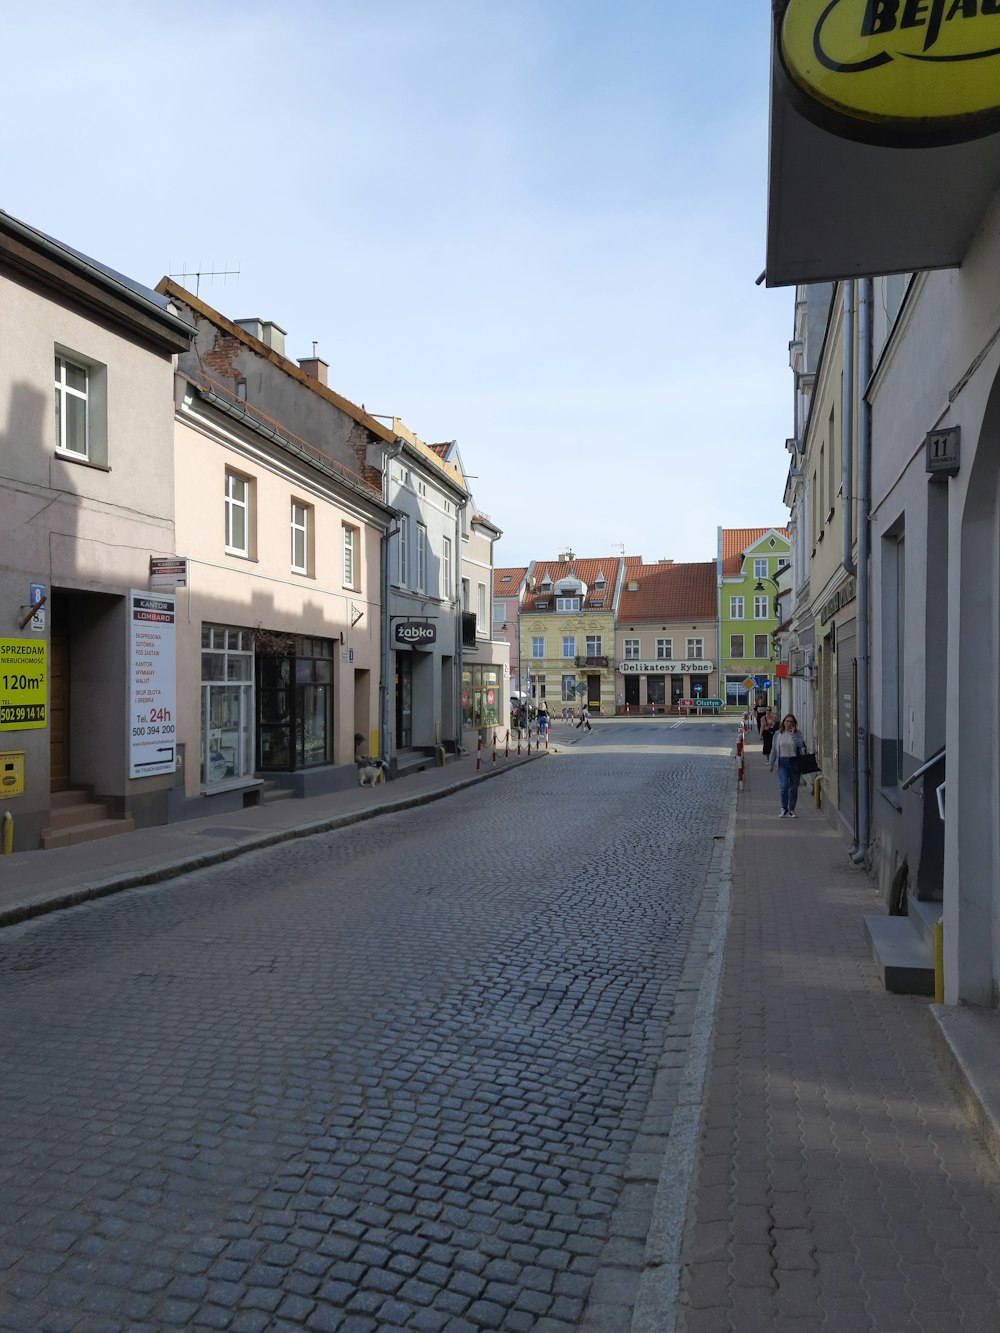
315	367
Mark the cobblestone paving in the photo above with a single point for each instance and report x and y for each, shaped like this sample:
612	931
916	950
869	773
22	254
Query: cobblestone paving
387	1077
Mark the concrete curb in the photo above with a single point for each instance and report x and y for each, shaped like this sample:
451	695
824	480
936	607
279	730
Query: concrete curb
91	890
656	1306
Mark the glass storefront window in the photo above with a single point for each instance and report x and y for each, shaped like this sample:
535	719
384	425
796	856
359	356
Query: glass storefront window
294	706
481	696
227	704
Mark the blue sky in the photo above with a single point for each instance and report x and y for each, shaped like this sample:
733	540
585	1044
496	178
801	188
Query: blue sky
533	227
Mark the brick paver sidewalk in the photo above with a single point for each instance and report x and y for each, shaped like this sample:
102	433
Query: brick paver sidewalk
839	1186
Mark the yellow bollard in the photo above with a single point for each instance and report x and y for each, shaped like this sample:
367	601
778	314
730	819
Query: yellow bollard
8	833
939	962
816	789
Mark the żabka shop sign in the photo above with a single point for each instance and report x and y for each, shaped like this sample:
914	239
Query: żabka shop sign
902	73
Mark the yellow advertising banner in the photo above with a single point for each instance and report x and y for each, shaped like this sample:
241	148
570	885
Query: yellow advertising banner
23	684
896	71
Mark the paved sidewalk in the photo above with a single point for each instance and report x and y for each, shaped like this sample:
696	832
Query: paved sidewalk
839	1186
35	882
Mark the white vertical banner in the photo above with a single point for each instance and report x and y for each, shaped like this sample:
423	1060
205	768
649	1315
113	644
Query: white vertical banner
152	683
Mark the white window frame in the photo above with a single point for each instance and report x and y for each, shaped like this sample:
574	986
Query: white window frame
481	608
695	649
760	569
350	553
761	645
237	503
537	646
631	651
62	389
761	607
569	645
421	558
741	655
568	689
446	567
736	606
664	650
499	613
300	537
594	642
404	550
567	603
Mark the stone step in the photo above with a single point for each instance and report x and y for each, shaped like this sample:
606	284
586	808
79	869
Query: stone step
77	833
271	792
905	963
82	812
925	914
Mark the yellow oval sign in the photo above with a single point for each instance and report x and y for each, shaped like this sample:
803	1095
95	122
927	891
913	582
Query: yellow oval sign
896	71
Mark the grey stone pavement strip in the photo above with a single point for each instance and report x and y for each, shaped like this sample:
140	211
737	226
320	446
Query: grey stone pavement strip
839	1187
33	883
656	1305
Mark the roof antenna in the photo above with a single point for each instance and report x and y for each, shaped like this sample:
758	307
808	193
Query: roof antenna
198	274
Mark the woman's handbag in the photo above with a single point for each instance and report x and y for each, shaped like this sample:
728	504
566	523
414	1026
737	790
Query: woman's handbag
807	764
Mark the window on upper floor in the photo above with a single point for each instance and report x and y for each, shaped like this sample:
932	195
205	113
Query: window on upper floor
404	551
760	645
569	645
239	514
760	569
567	603
72	401
446	567
421	558
81	409
664	649
631	650
481	605
538	645
695	648
301	524
736	608
352	543
736	645
593	645
761	607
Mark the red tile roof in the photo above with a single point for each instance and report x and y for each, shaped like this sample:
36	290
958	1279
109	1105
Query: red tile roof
736	540
584	569
669	592
508	579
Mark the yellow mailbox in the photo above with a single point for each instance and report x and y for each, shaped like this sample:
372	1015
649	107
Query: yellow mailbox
12	773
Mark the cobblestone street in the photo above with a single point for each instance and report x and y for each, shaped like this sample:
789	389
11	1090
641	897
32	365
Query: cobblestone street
390	1076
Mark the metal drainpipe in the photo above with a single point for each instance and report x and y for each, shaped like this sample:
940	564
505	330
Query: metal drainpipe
847	425
459	715
865	292
383	687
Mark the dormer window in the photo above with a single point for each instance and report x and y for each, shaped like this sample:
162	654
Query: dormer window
567	603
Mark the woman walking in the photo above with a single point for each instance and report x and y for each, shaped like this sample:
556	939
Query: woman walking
787	745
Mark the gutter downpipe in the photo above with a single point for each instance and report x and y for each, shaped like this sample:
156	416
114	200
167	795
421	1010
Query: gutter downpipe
390	531
459	644
847	432
865	293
